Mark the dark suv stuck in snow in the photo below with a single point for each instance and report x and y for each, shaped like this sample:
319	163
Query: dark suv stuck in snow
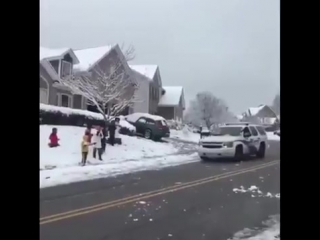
149	126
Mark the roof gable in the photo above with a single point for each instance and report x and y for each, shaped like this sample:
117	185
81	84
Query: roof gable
172	96
57	53
89	57
146	70
261	111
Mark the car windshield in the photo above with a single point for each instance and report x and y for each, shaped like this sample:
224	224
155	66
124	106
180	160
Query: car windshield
232	131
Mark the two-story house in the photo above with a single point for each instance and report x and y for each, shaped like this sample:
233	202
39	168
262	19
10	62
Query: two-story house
263	114
58	63
104	60
154	98
55	64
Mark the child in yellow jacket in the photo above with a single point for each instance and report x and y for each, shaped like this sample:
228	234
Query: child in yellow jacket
85	149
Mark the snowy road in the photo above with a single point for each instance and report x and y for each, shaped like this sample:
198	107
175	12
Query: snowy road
192	201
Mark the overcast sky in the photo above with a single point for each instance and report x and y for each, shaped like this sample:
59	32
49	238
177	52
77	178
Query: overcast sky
228	47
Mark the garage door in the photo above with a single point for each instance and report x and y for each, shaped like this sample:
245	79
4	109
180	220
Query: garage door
43	96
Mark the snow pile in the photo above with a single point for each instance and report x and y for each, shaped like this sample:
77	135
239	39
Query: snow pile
135	116
61	165
125	124
174	124
255	192
272	136
185	135
67	111
271	231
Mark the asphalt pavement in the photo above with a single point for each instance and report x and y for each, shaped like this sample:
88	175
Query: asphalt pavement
189	202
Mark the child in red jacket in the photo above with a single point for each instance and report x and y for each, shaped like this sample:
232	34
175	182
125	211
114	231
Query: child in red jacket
54	140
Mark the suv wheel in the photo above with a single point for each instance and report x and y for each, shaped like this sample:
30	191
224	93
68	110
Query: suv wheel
148	134
239	152
262	150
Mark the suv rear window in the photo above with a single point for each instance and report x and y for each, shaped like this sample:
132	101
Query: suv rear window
161	122
261	130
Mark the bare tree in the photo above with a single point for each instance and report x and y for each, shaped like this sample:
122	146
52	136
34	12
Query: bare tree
129	52
276	104
208	110
110	90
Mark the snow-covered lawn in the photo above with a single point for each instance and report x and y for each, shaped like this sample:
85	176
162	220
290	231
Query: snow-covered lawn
61	165
272	136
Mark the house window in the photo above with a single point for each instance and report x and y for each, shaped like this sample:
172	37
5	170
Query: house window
65	100
66	69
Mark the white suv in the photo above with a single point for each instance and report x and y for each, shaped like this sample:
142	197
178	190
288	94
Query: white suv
234	140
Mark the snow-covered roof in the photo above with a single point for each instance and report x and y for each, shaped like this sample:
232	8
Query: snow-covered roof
135	116
147	70
172	96
47	53
265	110
255	110
90	56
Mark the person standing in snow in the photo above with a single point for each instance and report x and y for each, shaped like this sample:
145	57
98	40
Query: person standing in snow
103	140
112	130
54	140
97	141
200	131
88	133
85	148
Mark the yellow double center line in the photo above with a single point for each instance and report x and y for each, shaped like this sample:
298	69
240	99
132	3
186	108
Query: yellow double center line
142	196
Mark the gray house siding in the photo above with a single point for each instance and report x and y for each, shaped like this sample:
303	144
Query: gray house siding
55	65
46	82
179	111
166	112
142	93
154	97
155	89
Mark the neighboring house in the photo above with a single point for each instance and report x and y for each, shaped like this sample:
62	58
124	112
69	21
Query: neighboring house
104	59
150	88
54	65
172	103
262	114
